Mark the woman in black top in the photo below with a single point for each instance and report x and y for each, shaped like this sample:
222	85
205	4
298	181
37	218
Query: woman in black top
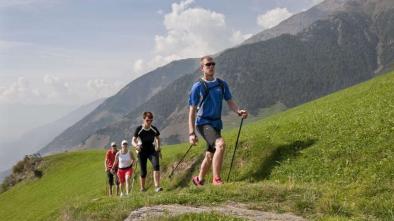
147	143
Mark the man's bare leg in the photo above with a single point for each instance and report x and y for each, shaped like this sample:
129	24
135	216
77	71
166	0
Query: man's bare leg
218	157
205	165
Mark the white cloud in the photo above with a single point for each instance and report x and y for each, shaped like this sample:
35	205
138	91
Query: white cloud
273	17
52	89
17	91
58	75
138	66
57	88
103	88
191	31
50	80
239	37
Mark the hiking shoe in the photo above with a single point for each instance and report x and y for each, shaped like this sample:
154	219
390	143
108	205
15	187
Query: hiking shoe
143	190
217	181
158	189
197	181
121	195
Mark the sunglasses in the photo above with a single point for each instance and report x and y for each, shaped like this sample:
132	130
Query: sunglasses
210	64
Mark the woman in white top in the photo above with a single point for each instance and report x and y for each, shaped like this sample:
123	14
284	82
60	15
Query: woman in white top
125	160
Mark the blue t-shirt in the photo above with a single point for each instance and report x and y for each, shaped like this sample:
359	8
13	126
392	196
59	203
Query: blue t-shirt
210	111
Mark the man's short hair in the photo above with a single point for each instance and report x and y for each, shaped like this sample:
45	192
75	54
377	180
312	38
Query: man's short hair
207	57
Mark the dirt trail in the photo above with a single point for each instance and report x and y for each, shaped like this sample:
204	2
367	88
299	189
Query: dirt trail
235	210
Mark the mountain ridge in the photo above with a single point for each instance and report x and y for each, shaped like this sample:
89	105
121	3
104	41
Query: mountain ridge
113	108
347	44
330	55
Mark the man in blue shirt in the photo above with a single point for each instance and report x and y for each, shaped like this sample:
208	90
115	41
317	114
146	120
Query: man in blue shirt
205	102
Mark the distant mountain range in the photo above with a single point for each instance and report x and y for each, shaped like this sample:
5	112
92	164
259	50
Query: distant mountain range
35	139
340	44
17	119
114	108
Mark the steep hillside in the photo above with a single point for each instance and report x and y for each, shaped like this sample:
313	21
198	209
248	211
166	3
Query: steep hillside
330	55
330	159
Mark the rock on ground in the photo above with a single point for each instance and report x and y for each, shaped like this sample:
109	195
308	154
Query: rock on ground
235	210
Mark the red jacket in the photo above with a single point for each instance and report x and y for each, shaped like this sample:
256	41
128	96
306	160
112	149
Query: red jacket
110	158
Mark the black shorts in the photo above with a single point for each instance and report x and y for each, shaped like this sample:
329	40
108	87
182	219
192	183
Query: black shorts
111	179
210	134
153	158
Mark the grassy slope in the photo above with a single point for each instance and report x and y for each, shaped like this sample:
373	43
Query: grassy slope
66	176
328	159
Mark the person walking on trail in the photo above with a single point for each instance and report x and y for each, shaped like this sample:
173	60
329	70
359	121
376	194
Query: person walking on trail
124	159
205	101
110	167
147	143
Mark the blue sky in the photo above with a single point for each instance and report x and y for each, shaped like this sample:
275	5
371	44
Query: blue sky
73	52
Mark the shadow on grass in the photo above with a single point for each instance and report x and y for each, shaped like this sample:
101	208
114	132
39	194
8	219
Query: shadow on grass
184	172
277	155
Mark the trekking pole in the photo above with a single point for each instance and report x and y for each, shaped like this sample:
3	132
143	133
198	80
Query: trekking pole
172	172
235	148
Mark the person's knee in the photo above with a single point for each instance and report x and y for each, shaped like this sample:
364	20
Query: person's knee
155	163
209	157
156	166
219	144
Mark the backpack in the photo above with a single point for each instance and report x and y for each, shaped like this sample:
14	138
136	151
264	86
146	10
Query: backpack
206	90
